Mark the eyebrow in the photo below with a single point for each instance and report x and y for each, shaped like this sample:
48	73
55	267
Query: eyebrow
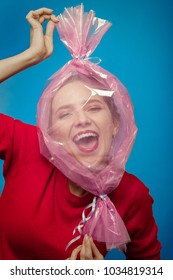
70	106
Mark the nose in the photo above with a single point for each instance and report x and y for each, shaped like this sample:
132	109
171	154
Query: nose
82	119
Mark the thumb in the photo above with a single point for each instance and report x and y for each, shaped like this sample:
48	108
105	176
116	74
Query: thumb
49	29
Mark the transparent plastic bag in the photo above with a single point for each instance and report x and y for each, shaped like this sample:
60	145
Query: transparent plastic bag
86	126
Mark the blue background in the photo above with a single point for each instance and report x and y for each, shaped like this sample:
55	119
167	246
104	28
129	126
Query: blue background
138	50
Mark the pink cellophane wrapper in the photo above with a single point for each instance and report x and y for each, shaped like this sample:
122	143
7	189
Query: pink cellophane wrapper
81	33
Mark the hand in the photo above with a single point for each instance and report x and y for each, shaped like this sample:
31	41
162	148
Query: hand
41	45
87	251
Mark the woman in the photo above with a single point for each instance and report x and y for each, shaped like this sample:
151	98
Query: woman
39	206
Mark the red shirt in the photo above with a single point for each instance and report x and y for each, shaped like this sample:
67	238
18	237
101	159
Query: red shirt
38	212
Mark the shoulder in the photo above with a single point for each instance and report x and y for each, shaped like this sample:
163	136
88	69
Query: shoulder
131	195
16	128
130	180
134	204
20	138
9	121
132	186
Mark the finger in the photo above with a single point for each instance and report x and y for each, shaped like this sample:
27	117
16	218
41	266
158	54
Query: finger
75	253
33	19
34	16
96	252
42	18
86	251
48	17
54	18
42	11
82	253
49	30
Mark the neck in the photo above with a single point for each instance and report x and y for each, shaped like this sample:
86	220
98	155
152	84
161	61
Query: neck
78	191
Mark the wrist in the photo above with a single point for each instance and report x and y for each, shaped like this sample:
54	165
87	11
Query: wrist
31	58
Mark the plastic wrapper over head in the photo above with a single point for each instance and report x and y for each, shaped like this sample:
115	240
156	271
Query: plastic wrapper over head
86	126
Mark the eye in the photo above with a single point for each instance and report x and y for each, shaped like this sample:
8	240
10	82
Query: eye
64	115
95	108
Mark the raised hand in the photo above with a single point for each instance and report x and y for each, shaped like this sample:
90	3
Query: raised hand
86	251
41	45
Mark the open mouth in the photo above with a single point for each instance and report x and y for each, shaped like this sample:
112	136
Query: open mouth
87	141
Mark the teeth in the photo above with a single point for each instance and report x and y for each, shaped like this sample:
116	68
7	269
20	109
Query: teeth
84	135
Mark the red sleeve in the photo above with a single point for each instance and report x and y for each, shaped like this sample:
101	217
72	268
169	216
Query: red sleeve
6	139
18	144
142	227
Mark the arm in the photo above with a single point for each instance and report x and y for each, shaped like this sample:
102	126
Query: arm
41	45
142	227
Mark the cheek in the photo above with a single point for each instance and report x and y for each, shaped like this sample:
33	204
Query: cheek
106	125
108	132
61	131
112	126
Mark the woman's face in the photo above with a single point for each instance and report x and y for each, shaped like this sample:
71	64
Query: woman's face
83	124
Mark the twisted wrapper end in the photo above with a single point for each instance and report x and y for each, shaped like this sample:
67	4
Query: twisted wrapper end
104	224
81	32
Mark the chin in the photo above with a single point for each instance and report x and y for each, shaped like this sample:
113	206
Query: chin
95	166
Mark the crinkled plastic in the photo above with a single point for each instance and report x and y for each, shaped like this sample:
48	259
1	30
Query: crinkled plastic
86	126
